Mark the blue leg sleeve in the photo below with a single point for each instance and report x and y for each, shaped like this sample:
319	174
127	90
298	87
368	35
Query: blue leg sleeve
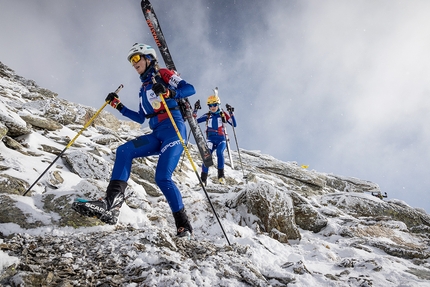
140	147
220	154
170	155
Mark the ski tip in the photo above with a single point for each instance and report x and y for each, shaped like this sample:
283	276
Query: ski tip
80	200
189	236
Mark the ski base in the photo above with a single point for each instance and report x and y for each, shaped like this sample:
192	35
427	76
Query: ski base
187	113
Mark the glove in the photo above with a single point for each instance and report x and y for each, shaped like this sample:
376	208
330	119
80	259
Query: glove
197	106
111	97
114	101
159	89
195	114
230	109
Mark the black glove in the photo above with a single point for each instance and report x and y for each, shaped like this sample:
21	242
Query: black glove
197	105
110	97
230	109
113	100
159	89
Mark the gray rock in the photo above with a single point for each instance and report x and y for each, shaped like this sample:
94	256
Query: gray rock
12	185
15	125
305	215
273	210
87	165
3	130
42	123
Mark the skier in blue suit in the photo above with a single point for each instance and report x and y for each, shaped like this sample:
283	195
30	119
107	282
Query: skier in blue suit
215	134
163	141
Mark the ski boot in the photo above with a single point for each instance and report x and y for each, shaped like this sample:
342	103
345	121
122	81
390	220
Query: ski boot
221	178
204	178
107	209
183	225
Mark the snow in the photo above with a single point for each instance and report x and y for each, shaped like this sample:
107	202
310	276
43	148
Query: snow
320	253
306	260
5	259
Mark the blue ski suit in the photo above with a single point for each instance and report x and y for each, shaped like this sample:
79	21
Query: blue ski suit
215	133
163	140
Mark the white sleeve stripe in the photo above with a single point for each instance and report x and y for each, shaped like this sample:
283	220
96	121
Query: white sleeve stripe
174	80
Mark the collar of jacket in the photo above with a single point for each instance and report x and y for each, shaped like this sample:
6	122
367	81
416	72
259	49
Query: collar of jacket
146	76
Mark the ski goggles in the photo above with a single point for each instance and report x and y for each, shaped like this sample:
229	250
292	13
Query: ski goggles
212	105
135	58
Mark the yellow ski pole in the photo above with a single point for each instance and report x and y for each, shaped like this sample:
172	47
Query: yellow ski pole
190	159
73	140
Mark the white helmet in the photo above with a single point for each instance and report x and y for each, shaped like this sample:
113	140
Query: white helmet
141	49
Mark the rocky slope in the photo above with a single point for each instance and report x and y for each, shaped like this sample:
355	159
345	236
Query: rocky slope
287	225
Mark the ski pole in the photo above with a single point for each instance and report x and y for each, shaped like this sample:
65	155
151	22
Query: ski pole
227	141
190	159
73	140
183	155
229	108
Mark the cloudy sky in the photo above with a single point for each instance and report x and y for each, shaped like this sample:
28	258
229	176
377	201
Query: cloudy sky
341	86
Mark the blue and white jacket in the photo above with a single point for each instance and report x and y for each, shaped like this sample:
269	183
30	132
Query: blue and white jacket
214	122
151	106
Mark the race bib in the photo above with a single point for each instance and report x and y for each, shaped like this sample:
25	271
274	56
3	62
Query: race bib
156	104
153	99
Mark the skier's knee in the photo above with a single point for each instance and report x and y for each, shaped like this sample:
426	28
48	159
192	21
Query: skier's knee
122	150
162	180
